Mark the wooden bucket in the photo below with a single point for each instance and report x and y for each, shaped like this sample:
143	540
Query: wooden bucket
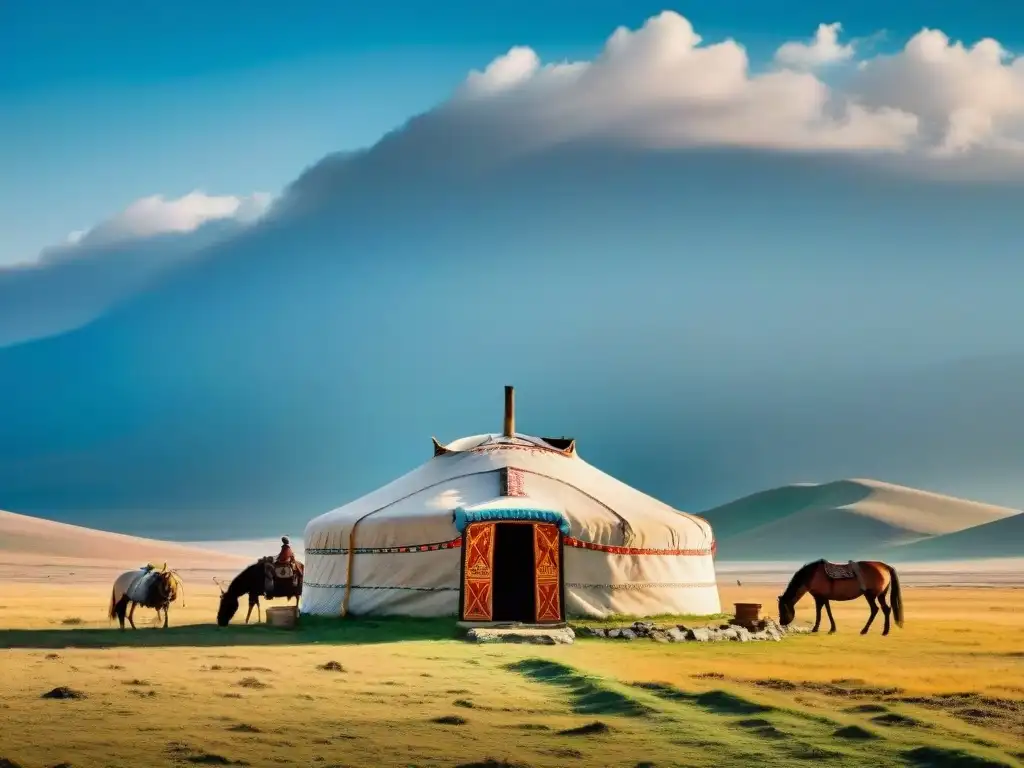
283	616
747	613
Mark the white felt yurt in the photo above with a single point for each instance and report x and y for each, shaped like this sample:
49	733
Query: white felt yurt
508	527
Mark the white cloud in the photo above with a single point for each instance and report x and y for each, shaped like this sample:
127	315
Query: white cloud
155	215
70	283
823	49
965	97
660	85
663	86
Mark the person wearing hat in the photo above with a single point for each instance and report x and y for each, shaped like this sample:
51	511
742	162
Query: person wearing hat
286	555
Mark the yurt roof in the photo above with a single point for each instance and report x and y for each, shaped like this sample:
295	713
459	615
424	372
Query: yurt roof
554	477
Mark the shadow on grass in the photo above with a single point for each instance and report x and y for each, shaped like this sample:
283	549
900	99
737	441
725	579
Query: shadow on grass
938	757
719	702
311	629
588	696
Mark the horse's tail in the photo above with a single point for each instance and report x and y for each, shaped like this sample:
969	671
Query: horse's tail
896	596
112	611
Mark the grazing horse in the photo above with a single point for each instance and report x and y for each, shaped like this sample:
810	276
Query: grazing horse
833	581
264	578
148	587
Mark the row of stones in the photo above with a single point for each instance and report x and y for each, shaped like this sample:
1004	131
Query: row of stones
767	630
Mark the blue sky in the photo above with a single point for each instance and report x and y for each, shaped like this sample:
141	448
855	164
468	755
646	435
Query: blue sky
101	104
807	275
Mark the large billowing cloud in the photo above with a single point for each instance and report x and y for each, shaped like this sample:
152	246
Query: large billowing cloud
664	86
964	97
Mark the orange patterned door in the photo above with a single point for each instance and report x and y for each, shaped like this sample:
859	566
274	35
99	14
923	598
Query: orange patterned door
548	572
478	541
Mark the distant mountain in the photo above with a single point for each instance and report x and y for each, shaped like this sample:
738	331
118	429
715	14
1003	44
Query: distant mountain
844	519
34	541
998	538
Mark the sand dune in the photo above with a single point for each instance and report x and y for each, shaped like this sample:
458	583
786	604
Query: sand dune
32	542
842	519
1002	538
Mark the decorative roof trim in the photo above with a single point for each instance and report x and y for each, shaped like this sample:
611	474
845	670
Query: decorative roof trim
462	517
500	442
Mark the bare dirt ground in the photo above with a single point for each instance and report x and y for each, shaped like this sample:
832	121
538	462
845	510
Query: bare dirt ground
946	690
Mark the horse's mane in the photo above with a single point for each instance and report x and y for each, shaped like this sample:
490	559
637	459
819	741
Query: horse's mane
237	582
800	577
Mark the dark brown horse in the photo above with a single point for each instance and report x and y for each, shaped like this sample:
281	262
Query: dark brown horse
827	581
264	578
148	587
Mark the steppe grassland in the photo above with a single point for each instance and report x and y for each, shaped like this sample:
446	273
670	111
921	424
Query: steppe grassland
408	694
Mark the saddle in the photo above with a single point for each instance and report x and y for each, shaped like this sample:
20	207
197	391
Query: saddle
280	578
840	571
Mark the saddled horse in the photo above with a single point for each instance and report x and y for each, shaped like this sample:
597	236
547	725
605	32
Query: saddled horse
264	578
149	587
827	581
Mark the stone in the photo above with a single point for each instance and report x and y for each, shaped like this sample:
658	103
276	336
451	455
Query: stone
659	636
627	634
613	632
700	634
729	633
742	635
531	636
677	635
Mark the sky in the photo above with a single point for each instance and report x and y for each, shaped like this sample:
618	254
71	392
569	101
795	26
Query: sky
101	106
255	257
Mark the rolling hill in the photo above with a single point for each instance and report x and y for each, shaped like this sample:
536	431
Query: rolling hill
32	541
999	538
847	519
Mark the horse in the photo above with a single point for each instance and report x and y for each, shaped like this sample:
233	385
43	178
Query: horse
148	587
254	582
832	581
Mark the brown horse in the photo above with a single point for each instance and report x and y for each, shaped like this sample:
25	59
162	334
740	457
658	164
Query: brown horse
148	587
831	581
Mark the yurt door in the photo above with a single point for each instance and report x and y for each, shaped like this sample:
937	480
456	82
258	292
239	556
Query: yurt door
477	572
547	549
512	572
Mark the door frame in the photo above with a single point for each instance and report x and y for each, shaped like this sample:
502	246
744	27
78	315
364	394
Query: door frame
561	569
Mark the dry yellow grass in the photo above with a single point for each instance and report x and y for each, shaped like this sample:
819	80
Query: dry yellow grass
202	695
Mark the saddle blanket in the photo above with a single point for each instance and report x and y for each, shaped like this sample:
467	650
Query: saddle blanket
839	570
280	578
139	589
284	572
848	570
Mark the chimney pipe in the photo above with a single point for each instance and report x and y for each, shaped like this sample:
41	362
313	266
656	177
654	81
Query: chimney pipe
510	412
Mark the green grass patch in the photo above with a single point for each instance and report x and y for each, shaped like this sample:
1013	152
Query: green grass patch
310	629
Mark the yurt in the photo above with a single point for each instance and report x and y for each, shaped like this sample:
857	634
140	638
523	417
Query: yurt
508	528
